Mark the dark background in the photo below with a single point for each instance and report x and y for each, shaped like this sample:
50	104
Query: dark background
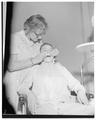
6	107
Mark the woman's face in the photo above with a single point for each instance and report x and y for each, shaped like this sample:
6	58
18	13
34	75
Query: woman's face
37	33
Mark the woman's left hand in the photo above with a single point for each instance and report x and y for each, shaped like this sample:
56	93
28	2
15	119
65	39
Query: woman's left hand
54	52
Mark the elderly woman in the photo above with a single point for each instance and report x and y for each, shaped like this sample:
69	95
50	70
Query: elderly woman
24	54
49	88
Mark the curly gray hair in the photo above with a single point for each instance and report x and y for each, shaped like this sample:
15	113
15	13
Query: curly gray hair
35	21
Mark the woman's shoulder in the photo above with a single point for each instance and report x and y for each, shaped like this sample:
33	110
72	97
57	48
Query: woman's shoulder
17	34
16	37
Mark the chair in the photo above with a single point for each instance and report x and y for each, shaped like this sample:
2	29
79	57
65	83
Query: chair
22	105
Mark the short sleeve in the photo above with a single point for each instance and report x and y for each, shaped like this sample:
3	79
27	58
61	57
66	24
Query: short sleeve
15	44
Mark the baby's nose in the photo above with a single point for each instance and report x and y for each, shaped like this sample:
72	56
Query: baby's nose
39	37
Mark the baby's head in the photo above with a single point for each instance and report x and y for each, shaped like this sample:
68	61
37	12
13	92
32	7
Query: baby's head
52	52
46	47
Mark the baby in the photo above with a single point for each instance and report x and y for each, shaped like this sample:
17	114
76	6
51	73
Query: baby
51	85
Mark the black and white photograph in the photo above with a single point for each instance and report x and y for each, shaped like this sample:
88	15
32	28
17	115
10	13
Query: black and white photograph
48	59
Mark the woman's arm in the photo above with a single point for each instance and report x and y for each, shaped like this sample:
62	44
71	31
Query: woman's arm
15	64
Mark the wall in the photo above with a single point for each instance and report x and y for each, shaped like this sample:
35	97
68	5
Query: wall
65	27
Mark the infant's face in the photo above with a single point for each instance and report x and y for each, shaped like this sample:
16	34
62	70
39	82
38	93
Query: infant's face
48	49
49	59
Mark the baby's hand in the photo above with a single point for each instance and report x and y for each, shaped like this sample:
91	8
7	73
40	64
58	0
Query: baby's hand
82	98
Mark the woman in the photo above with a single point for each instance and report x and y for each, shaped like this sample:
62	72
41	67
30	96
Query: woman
24	53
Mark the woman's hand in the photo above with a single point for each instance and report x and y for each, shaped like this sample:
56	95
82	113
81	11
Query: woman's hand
54	52
42	55
39	58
